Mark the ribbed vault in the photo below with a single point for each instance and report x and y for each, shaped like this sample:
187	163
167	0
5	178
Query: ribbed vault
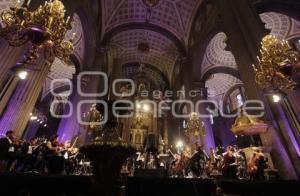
173	16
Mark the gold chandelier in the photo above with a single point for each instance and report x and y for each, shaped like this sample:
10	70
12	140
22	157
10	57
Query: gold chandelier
195	127
278	65
44	27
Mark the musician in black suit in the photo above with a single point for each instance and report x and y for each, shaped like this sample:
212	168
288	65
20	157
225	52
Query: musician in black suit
198	161
27	155
151	148
7	148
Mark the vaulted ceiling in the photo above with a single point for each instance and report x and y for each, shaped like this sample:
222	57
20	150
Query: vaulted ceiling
161	22
162	54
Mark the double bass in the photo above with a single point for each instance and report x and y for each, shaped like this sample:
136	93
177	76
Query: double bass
181	163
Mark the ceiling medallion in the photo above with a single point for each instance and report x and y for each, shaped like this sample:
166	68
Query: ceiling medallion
150	3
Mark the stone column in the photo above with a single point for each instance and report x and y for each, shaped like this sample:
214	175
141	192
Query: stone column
245	31
116	73
8	91
23	100
9	56
126	130
70	128
155	126
165	133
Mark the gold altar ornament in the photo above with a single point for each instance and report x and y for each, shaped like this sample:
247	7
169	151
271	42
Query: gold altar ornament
195	127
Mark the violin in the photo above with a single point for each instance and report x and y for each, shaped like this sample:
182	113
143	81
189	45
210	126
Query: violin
209	167
17	141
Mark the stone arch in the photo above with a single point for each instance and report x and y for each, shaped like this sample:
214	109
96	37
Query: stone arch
281	25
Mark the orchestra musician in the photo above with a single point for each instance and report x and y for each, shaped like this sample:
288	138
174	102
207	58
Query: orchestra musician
229	167
63	159
174	158
55	162
140	160
53	146
151	161
7	150
257	165
29	149
241	164
40	155
69	153
198	161
180	165
213	165
68	150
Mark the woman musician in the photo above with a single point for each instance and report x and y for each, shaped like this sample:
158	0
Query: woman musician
229	167
55	162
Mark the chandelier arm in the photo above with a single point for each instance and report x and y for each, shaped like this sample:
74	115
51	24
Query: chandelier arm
44	27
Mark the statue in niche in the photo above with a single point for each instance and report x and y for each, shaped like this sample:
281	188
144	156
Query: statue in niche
138	120
142	87
141	68
138	138
125	89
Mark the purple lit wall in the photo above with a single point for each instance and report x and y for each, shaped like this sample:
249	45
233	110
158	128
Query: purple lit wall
70	128
22	102
31	130
283	154
208	140
289	130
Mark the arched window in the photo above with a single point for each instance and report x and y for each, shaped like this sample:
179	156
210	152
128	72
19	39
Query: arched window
234	98
218	85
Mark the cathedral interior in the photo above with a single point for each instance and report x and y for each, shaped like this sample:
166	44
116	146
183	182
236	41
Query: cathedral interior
149	97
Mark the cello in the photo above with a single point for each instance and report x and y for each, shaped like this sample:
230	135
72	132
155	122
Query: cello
253	165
